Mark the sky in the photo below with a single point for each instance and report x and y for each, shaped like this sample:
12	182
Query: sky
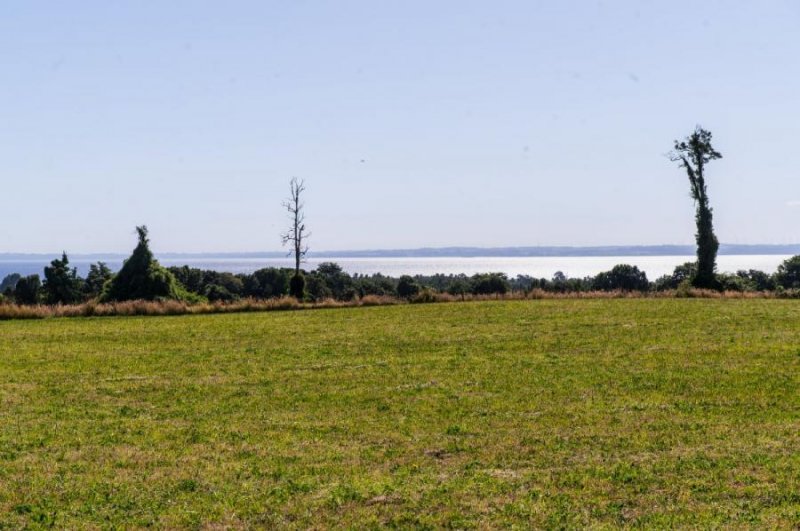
413	123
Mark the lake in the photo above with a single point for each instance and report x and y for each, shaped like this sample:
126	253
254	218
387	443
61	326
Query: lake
538	266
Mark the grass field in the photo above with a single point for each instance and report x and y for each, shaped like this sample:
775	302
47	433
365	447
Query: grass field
561	413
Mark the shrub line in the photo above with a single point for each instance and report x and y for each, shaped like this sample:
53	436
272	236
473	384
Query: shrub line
10	311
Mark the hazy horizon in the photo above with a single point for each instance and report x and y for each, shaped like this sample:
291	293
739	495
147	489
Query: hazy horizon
447	124
555	251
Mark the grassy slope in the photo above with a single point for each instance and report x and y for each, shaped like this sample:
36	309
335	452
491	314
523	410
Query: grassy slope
573	412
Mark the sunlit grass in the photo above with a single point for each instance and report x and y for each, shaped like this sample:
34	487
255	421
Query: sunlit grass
653	412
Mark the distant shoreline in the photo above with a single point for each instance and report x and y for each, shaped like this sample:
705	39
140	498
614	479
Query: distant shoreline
455	252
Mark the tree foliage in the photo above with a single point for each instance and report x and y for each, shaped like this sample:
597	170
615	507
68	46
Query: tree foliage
142	277
624	277
9	283
62	285
28	290
99	274
682	273
693	153
788	273
490	283
407	287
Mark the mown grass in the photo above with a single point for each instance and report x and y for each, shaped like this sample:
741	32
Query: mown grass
546	413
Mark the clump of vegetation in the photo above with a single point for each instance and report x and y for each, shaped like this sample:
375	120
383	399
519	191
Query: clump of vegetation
9	283
788	274
99	275
407	287
28	290
622	277
143	278
490	283
62	285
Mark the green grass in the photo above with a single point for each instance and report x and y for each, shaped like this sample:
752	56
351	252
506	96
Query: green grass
565	413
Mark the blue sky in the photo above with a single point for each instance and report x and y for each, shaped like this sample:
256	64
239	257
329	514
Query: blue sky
413	123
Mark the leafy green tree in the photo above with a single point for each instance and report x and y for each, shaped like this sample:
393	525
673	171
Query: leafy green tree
728	282
788	273
339	282
490	283
317	288
215	292
267	283
364	285
28	290
693	154
9	283
459	286
756	280
623	277
407	287
62	285
190	278
99	274
143	278
681	273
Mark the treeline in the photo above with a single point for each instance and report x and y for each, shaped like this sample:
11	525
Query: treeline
63	285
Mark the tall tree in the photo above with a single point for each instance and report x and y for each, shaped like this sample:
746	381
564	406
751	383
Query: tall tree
61	283
297	234
693	153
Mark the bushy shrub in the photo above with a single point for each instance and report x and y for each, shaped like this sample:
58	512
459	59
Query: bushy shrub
99	274
729	282
28	290
407	287
62	285
377	284
9	283
217	293
681	273
297	286
268	283
490	283
788	273
191	278
459	287
143	278
338	282
425	295
757	280
317	289
622	277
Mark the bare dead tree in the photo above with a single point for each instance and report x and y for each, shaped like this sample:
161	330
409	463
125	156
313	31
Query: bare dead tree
297	234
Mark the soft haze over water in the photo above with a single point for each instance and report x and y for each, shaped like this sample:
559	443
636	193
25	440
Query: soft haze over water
539	267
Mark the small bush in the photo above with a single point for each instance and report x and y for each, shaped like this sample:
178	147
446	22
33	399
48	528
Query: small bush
426	295
407	287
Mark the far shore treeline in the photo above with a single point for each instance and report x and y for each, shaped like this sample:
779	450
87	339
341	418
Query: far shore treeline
142	278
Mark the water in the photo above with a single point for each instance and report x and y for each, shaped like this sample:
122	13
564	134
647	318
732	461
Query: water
538	266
